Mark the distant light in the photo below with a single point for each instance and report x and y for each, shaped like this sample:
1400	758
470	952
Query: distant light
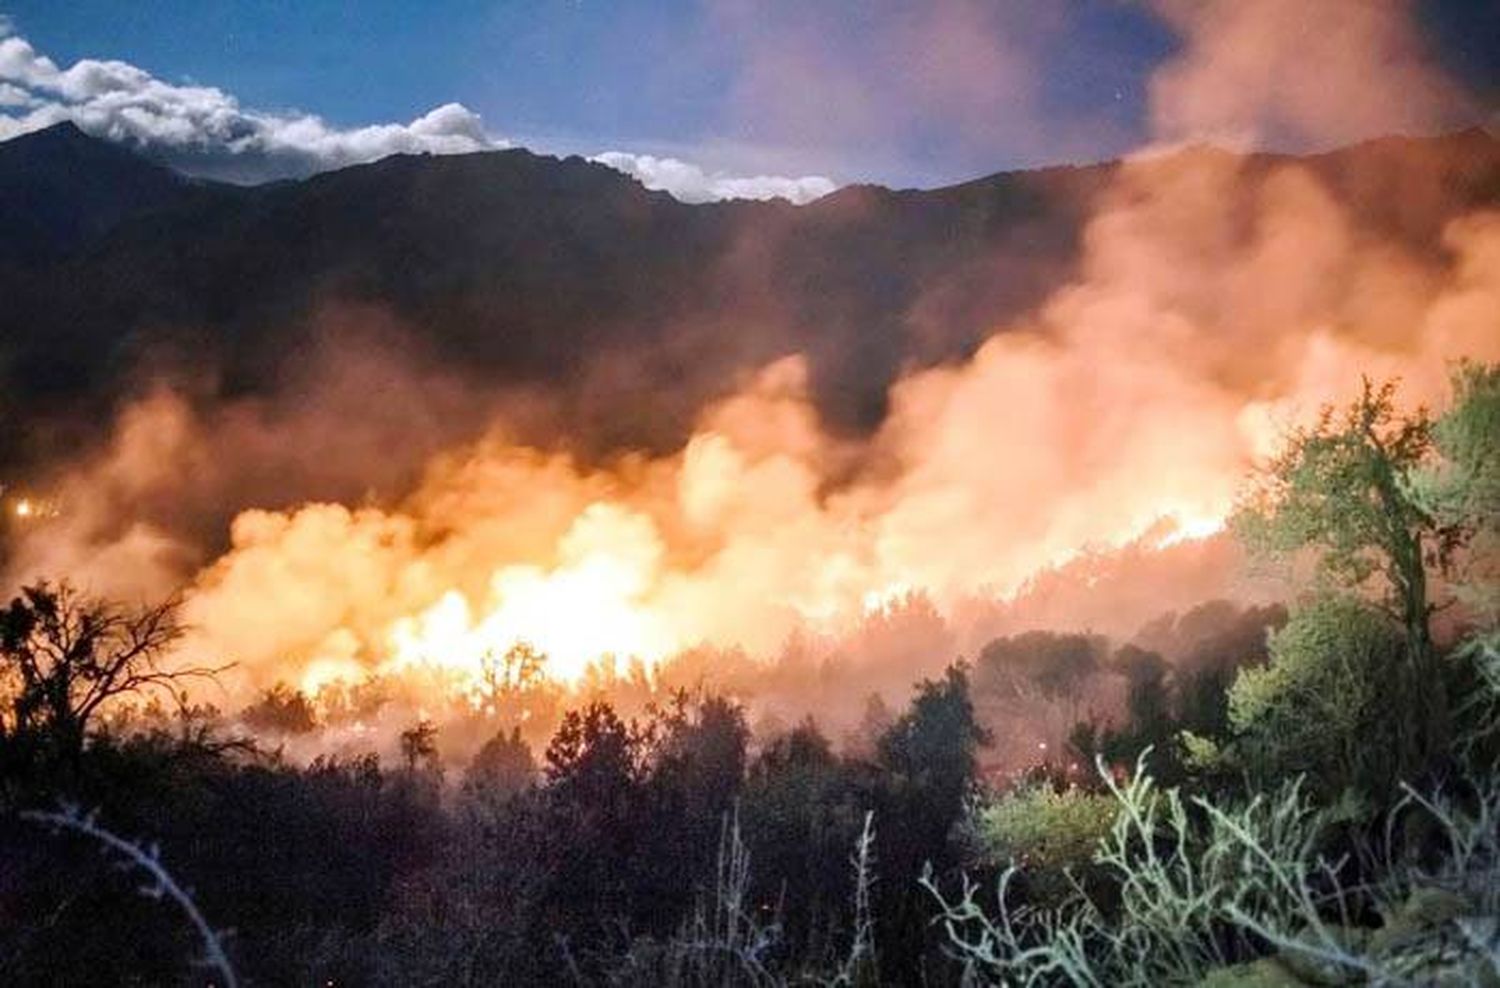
23	508
1041	746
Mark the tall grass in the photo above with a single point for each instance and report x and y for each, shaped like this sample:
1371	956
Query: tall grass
728	943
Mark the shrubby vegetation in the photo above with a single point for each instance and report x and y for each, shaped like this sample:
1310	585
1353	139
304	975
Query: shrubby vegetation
1263	795
1042	827
1339	824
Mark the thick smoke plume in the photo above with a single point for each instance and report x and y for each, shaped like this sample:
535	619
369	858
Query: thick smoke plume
1216	302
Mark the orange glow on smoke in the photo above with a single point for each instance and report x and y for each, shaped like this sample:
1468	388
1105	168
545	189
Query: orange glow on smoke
587	607
1190	528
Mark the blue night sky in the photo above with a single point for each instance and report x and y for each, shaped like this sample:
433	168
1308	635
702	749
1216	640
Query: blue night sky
701	81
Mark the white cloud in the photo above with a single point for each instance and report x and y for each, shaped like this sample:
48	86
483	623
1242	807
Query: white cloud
205	131
14	95
691	183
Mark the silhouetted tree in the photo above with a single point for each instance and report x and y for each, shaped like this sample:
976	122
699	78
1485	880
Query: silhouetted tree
594	768
697	767
1148	710
929	758
419	745
281	710
801	812
64	656
503	766
508	682
1041	665
1213	642
876	718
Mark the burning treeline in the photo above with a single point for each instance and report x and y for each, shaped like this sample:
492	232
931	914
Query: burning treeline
1215	302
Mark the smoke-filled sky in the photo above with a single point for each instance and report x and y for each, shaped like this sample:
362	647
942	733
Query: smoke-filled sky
717	98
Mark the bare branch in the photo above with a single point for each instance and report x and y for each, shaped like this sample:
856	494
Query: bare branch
148	860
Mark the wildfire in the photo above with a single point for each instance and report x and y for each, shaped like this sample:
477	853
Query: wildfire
590	606
1126	412
1190	528
605	599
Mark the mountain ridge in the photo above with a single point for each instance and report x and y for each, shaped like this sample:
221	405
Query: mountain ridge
518	270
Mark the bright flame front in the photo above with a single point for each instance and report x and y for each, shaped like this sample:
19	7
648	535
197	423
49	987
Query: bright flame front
592	604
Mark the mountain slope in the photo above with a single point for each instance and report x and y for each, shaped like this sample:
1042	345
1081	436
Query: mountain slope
628	308
60	188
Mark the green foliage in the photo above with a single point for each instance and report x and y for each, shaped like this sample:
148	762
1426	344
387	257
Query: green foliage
1479	712
1462	490
1328	703
1039	826
1222	640
1206	891
933	745
1377	500
1177	875
1200	754
1341	488
627	858
1465	487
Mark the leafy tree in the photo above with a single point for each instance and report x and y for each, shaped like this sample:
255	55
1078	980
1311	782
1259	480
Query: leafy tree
804	746
593	753
1346	491
1045	662
1045	830
1041	667
934	744
1211	656
701	756
696	773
